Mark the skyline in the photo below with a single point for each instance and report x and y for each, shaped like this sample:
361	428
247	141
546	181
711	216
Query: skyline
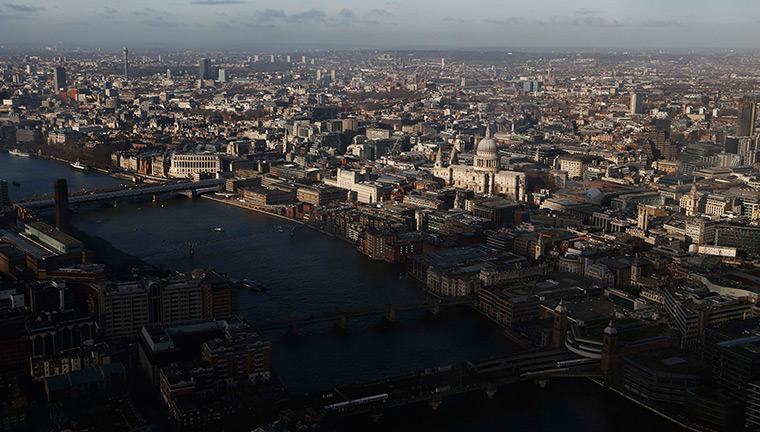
485	24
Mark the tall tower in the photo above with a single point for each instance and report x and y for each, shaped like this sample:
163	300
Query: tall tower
59	79
637	103
636	270
540	246
747	113
126	63
609	352
643	219
285	143
692	204
62	205
204	69
559	330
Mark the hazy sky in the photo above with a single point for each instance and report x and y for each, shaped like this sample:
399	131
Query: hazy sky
384	24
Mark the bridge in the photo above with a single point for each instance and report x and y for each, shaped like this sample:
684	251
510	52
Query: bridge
186	188
433	385
341	316
430	385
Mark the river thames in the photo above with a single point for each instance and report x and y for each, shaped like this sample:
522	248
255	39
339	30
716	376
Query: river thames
313	272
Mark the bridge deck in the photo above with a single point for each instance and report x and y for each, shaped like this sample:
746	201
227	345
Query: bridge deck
337	314
124	194
434	384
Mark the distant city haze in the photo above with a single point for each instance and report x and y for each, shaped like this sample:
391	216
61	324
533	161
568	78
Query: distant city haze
444	24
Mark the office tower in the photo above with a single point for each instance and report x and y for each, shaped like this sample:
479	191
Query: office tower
5	199
746	125
319	75
303	59
204	69
662	123
61	205
443	62
168	74
661	137
747	150
126	63
271	58
732	145
255	58
123	310
312	61
287	59
222	76
59	79
637	103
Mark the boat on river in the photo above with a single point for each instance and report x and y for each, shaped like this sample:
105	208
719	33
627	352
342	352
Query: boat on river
19	153
79	166
252	285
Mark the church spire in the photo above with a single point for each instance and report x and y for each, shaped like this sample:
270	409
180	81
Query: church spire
439	156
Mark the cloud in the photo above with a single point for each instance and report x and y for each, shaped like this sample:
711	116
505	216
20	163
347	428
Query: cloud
584	11
139	13
159	22
583	18
346	14
24	8
507	21
309	15
270	14
450	19
110	11
380	12
659	23
217	2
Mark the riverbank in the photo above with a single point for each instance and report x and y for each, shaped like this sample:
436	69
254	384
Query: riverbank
247	206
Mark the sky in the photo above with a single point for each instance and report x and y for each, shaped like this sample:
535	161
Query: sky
442	24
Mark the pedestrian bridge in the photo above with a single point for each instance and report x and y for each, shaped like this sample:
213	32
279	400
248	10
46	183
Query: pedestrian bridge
341	316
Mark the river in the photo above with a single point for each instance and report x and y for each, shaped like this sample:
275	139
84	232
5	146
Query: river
313	272
36	175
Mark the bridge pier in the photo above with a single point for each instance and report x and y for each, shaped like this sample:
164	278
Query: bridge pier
391	315
377	412
491	390
435	402
436	309
342	322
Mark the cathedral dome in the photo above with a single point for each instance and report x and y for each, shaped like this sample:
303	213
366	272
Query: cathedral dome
487	146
